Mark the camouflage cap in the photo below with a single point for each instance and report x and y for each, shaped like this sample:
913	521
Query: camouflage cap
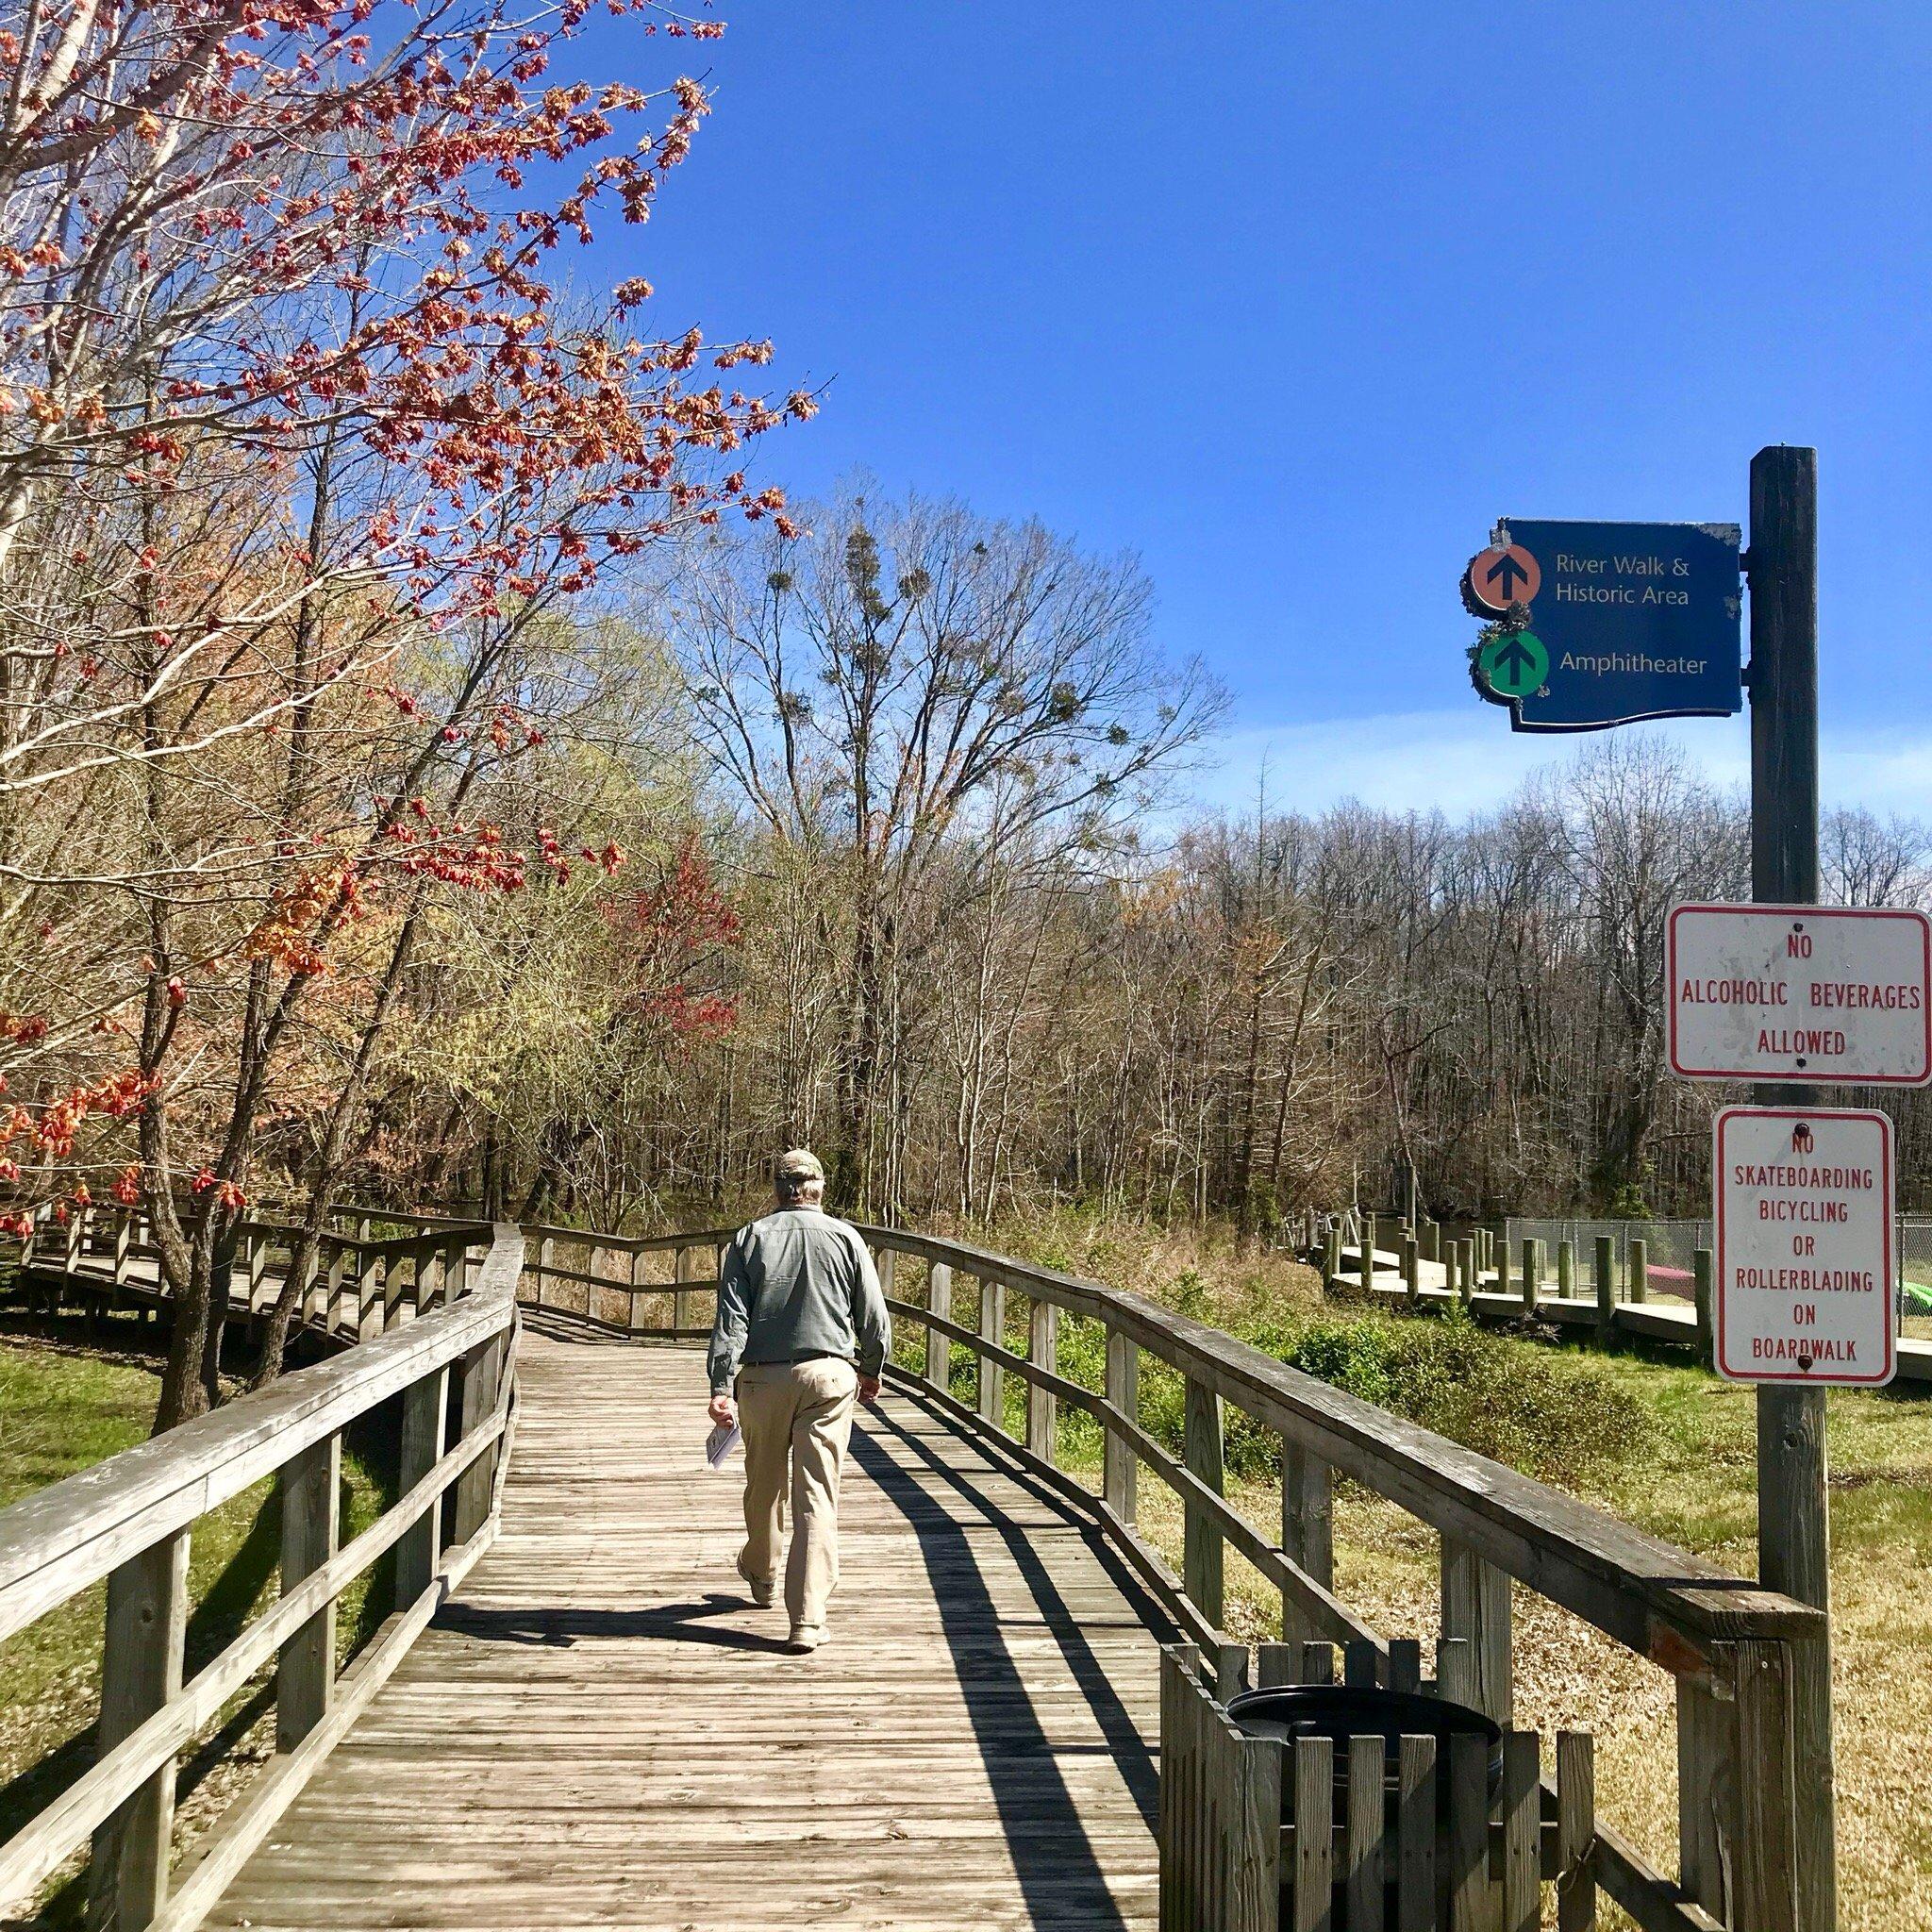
796	1167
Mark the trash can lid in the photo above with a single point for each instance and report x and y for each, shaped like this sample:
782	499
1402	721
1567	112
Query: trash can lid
1341	1712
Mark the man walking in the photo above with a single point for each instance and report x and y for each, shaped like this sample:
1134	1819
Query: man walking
802	1332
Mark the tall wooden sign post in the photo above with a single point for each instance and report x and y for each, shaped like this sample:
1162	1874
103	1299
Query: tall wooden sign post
1793	1543
1590	625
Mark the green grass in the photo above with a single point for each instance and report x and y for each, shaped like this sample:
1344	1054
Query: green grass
62	1409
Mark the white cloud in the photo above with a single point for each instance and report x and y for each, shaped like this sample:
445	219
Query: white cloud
1467	760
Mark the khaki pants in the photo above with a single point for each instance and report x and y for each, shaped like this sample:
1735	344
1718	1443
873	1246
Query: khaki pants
797	1414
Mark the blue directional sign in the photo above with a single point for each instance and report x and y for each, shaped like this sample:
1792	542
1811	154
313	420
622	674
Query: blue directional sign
1635	620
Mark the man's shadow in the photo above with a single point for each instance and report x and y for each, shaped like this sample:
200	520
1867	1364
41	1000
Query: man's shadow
559	1627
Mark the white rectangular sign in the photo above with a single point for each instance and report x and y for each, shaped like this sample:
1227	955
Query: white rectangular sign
1804	1246
1800	992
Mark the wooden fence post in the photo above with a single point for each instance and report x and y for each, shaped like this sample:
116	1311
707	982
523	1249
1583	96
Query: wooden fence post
1639	1270
1606	1285
1307	1530
1122	1472
1475	1606
479	1376
140	1671
309	1483
367	1291
1203	1554
1042	1406
1368	1255
939	1347
680	1294
1502	1254
1411	1269
1465	1287
1566	1270
1576	1831
425	1405
123	1239
1532	1274
993	1328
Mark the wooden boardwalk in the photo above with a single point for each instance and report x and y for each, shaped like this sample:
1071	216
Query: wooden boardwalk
601	1731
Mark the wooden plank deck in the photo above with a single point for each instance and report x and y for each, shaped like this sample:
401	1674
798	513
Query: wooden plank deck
601	1731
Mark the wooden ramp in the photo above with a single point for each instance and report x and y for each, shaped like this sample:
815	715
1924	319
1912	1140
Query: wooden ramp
601	1731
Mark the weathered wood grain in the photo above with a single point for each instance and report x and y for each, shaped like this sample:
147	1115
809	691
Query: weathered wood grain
601	1730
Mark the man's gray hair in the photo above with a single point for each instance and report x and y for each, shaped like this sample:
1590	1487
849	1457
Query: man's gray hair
796	1171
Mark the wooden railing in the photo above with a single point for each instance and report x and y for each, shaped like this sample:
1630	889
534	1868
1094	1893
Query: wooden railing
356	1284
1754	1817
1755	1812
129	1520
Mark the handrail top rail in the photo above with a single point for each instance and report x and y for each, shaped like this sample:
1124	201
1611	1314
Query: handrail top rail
1433	1478
539	1230
62	1537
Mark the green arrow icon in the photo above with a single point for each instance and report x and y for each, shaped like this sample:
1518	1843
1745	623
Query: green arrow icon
1514	664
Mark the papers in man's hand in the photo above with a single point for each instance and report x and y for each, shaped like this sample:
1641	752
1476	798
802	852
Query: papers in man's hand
721	1442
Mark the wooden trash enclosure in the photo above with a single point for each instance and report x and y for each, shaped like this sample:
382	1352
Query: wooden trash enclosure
1258	1835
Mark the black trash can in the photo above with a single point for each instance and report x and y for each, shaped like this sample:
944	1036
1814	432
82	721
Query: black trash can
1341	1712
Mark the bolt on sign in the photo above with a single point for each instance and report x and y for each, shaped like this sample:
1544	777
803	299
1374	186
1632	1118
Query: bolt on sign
1608	624
1805	1264
1800	992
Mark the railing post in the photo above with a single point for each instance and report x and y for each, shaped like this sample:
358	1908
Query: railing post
1746	1854
993	1328
1307	1530
479	1377
1532	1273
367	1290
1639	1270
939	1347
1201	1557
634	1316
1566	1270
76	1237
124	1240
1043	1406
140	1671
1703	1289
1606	1285
1122	1467
1475	1606
1465	1289
544	1248
1411	1269
680	1294
304	1678
256	1266
338	1274
1368	1270
1452	1267
425	1405
393	1303
1502	1252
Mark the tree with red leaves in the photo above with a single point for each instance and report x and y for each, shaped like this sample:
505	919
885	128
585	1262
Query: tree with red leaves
297	443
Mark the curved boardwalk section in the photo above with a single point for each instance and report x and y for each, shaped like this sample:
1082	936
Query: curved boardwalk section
601	1730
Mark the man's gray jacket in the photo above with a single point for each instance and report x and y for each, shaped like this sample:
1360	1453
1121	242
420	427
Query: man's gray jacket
797	1284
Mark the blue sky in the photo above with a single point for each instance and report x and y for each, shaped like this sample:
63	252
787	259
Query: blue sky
1296	300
